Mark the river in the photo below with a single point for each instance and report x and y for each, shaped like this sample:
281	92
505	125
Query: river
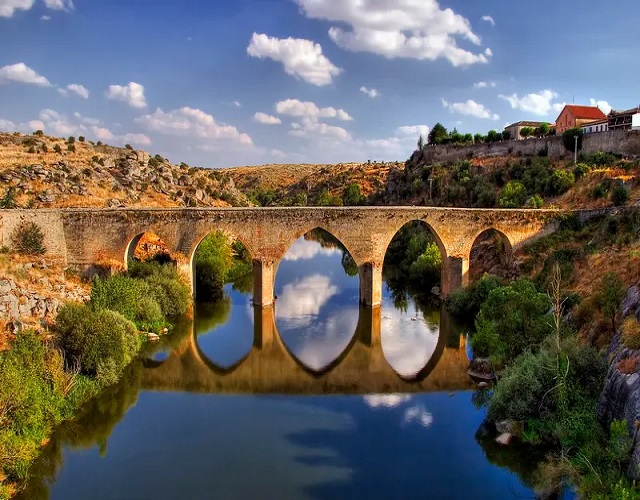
315	398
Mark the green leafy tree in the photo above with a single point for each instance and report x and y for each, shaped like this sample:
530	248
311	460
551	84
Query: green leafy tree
512	319
513	195
420	143
478	138
506	135
57	148
438	134
544	128
560	182
494	136
609	297
526	132
568	138
81	138
351	195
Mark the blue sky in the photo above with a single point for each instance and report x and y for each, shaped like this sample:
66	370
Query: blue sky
222	83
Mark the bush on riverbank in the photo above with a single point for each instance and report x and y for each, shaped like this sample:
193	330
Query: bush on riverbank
36	393
465	303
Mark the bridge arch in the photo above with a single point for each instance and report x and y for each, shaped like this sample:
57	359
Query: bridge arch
144	245
491	247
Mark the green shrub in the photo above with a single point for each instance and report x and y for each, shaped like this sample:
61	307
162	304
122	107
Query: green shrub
513	195
619	196
172	296
631	333
28	239
535	201
57	148
119	293
512	319
97	339
351	195
465	303
9	199
560	182
581	170
568	138
71	148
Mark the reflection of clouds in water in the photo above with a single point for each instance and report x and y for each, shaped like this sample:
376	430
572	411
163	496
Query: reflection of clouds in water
408	341
305	298
323	340
386	400
307	249
418	414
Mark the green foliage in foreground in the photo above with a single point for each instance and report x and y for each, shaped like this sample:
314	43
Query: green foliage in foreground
101	342
465	303
512	319
149	295
36	393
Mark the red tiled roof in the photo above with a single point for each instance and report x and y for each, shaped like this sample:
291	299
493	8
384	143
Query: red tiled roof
586	112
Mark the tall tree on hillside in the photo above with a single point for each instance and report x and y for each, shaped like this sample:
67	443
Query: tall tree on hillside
438	134
420	143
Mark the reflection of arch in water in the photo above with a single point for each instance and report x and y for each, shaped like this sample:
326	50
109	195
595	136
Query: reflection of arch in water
270	369
308	292
491	249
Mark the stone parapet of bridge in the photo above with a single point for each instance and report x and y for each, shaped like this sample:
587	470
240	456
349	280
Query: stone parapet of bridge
88	239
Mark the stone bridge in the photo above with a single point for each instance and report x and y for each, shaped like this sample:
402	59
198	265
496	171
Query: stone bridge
89	238
270	368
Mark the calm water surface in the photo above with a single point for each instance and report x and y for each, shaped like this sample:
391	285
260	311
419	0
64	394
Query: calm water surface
314	399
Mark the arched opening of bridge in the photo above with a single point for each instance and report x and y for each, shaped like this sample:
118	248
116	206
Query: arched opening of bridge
491	253
147	246
412	275
317	307
223	287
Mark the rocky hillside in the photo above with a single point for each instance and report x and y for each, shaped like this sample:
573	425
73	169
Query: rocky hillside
43	171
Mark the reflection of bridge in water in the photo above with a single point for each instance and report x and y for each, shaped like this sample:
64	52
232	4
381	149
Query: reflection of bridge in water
270	368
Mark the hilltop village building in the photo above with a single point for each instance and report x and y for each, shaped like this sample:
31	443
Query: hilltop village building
573	116
515	128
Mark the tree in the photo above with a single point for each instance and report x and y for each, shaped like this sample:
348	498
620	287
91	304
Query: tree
609	297
455	136
544	128
57	148
71	140
526	132
351	195
512	319
467	138
513	195
128	146
493	136
438	134
506	135
38	133
478	138
569	138
420	143
81	138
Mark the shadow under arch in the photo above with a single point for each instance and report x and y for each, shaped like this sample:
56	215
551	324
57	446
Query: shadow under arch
155	246
491	247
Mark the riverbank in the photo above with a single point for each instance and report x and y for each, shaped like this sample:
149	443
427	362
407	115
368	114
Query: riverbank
46	378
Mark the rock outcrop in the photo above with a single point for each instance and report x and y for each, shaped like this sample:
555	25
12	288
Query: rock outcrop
620	398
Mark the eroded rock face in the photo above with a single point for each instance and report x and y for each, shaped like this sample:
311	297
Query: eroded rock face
620	398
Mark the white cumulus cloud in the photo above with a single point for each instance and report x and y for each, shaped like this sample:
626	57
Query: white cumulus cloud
470	108
132	94
310	128
369	92
59	4
301	58
190	122
266	119
21	73
489	19
294	107
8	7
413	131
484	85
75	88
540	103
415	29
604	106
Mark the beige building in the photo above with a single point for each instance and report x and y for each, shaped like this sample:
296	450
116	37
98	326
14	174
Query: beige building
515	128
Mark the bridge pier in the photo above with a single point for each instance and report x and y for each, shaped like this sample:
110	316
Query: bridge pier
370	274
264	272
455	274
263	326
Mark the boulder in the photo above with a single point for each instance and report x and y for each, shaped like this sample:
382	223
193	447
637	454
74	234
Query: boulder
504	438
631	301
